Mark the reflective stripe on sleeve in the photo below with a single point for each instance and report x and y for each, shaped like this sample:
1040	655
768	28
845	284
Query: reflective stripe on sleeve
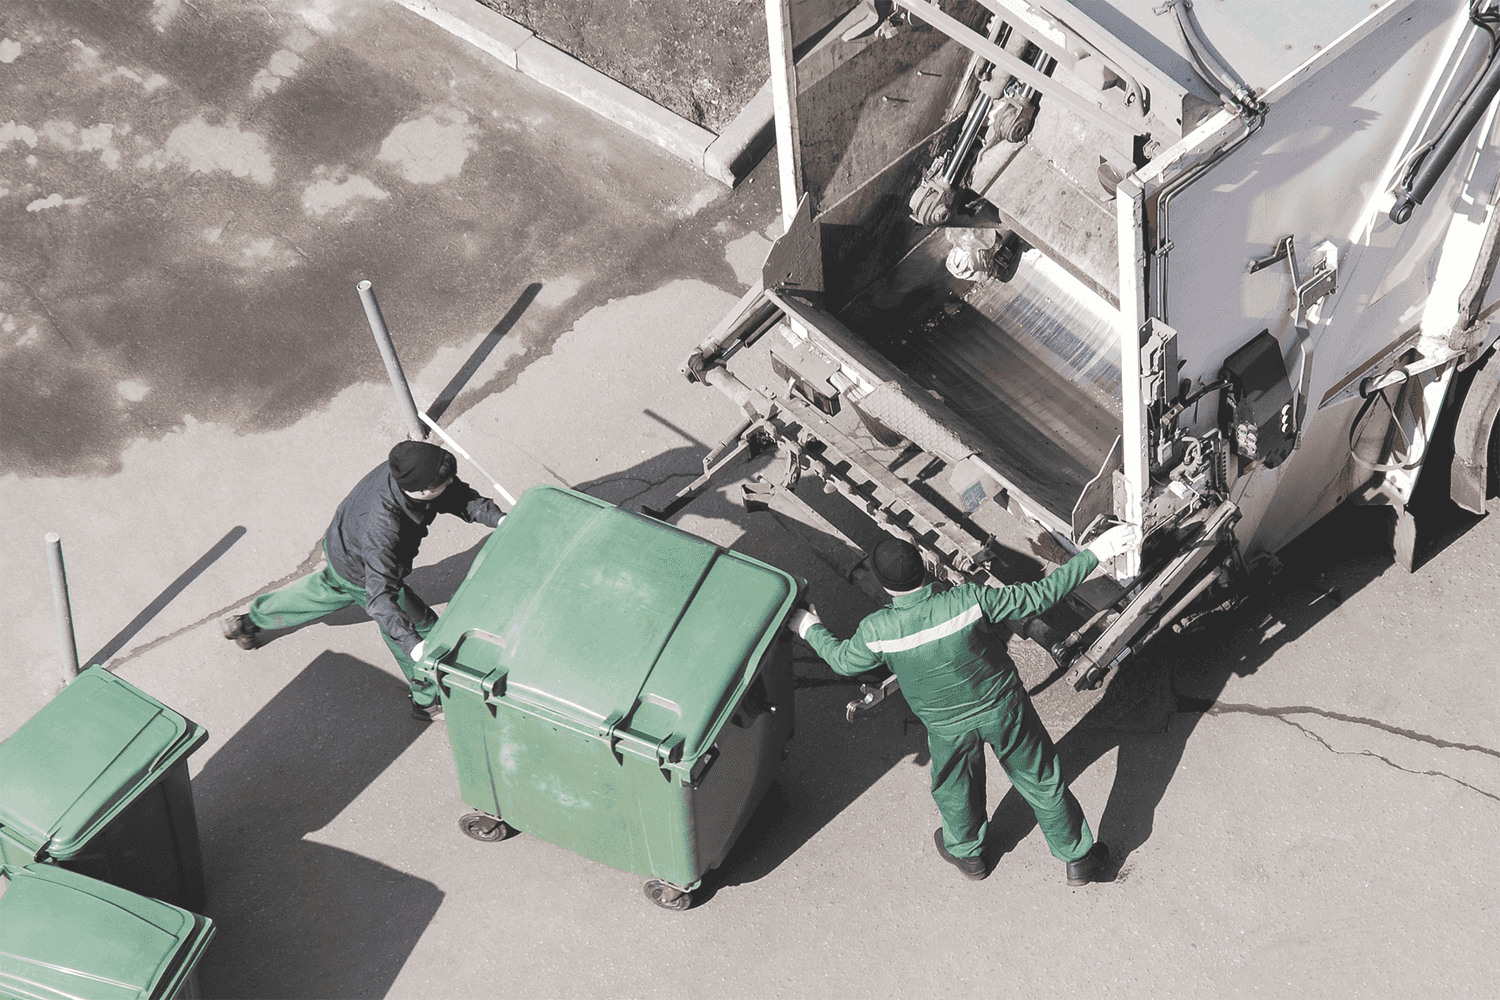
947	628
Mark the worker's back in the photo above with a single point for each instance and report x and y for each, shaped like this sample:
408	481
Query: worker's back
952	666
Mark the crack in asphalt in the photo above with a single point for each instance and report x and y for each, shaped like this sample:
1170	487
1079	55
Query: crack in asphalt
1280	715
646	485
303	568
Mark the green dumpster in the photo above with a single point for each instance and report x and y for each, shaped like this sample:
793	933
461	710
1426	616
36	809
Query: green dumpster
97	781
64	935
616	686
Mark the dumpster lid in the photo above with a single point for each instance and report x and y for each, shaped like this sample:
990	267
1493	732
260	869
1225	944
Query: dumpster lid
613	619
65	935
75	764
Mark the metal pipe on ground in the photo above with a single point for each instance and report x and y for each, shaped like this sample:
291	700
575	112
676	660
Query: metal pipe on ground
64	607
392	362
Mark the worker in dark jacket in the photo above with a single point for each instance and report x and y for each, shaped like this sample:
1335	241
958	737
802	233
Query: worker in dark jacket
370	547
959	680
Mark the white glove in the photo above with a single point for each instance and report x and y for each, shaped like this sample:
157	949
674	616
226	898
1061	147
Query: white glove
1117	540
417	650
800	621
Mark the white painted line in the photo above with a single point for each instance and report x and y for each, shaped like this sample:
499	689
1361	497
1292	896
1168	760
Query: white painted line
470	458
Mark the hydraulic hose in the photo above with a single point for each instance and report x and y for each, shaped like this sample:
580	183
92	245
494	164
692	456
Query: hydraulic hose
1447	145
1231	90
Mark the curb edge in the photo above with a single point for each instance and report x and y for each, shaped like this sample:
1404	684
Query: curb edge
727	157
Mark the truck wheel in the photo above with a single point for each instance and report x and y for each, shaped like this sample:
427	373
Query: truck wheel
482	827
668	896
1493	461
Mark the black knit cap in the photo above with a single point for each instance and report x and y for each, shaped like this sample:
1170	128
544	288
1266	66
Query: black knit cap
898	565
420	466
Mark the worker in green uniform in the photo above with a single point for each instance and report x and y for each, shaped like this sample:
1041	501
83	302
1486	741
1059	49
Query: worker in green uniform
370	546
959	680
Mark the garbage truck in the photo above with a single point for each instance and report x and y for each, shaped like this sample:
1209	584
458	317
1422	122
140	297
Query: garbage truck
1209	269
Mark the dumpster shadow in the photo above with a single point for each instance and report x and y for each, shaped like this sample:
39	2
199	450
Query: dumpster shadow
832	764
297	918
1150	710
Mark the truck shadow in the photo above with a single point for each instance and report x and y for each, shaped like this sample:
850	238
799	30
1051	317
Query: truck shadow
297	918
1150	710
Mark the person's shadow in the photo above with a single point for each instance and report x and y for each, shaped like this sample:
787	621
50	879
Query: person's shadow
1151	708
296	918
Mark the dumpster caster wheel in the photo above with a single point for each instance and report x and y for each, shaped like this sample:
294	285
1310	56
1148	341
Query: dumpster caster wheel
668	896
482	827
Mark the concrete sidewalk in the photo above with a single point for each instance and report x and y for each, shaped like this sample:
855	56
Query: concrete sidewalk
728	156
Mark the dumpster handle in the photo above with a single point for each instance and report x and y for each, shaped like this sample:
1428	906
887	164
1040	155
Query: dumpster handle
611	737
492	684
706	763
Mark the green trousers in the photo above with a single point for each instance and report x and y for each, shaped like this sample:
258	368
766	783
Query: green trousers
1024	748
325	592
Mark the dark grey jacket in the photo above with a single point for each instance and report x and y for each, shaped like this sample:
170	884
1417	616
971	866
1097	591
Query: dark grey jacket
375	535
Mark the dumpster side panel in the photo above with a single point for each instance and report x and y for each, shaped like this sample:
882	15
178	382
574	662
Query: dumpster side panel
667	847
749	753
564	787
469	735
152	846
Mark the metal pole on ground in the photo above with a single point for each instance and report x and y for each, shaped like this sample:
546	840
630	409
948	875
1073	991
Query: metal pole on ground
64	607
392	363
459	448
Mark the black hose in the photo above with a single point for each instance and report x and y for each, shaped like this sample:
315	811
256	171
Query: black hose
1432	160
1211	387
1231	89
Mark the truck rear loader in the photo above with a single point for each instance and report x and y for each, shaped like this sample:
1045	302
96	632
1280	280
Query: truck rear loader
1209	269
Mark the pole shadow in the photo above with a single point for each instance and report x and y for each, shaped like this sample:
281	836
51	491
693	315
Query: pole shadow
297	918
167	596
463	375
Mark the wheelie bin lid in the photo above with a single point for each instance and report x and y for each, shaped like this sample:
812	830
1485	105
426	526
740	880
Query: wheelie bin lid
76	764
612	619
64	935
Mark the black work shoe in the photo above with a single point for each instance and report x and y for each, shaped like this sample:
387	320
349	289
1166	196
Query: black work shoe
242	631
1089	867
973	868
426	713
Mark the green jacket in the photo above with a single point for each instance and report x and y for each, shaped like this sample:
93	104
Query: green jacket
953	670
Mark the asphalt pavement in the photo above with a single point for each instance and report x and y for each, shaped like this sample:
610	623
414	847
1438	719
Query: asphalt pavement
1299	795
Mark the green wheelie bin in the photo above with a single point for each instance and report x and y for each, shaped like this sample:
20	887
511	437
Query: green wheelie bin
65	936
616	686
97	782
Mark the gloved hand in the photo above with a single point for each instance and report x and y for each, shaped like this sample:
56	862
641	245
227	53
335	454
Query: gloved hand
1113	542
802	619
417	650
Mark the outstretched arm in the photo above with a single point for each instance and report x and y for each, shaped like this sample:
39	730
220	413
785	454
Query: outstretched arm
462	500
1022	600
849	657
